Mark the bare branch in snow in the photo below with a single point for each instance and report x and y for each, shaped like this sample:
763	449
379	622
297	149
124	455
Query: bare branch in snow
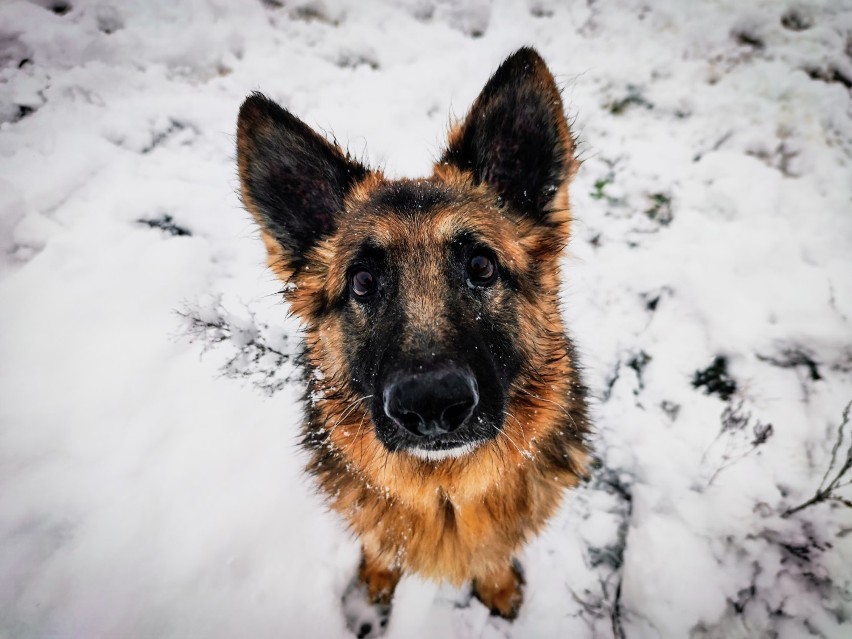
840	468
253	354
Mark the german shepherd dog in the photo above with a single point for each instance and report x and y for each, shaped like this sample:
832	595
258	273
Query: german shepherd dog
445	414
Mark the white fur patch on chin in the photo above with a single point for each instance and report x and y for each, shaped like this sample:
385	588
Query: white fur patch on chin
440	455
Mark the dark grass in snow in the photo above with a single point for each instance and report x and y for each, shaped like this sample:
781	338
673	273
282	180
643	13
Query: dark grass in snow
165	223
715	379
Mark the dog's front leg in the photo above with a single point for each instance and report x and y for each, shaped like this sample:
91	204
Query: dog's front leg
501	590
379	578
367	601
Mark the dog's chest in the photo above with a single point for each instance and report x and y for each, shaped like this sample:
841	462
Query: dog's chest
438	535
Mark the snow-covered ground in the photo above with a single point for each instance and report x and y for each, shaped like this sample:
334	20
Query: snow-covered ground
709	288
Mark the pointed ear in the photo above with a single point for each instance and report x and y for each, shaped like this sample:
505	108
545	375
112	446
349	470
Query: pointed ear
293	181
516	139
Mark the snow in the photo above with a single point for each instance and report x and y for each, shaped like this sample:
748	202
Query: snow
144	491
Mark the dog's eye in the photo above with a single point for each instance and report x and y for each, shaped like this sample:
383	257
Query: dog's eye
481	269
363	283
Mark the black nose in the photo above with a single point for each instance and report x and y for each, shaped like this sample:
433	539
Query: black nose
431	403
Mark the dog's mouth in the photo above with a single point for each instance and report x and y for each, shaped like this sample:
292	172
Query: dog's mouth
441	450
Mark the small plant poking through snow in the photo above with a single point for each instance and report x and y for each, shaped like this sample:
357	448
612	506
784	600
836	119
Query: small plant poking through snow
166	224
252	354
600	185
742	435
633	97
839	466
610	491
638	363
715	379
661	208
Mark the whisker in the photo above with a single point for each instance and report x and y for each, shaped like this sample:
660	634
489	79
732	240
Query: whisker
518	422
385	467
349	408
549	401
377	451
358	434
511	441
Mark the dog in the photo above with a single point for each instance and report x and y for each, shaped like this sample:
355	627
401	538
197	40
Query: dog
445	410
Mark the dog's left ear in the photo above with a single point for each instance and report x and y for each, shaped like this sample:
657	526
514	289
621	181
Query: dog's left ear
516	139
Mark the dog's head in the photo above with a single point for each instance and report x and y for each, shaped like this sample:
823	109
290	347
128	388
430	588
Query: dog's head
431	305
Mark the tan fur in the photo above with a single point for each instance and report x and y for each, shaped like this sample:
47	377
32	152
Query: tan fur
378	578
501	591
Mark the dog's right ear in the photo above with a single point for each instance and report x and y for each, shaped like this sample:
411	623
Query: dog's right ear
293	181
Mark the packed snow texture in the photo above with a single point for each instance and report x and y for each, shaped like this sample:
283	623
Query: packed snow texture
150	481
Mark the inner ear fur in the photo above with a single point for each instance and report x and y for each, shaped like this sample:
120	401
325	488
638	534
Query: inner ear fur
293	181
515	139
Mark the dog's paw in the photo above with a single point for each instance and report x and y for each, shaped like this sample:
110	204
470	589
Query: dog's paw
366	620
502	593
